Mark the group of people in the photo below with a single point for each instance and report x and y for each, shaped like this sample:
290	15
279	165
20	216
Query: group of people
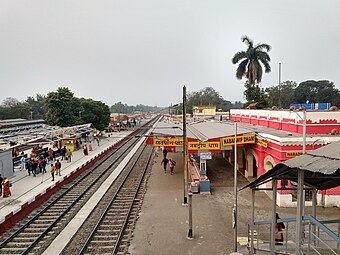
37	164
165	161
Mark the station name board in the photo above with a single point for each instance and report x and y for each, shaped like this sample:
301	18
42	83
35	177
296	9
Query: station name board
293	154
261	143
204	146
244	139
168	142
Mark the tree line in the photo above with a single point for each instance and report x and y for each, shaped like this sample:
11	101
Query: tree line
59	108
126	109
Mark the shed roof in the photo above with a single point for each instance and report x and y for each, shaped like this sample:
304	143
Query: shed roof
322	168
203	131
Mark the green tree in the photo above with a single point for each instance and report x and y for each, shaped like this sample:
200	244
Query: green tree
207	96
281	95
322	91
59	108
95	112
251	59
255	94
37	106
11	108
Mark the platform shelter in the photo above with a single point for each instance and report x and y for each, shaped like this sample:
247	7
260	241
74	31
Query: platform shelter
317	170
204	139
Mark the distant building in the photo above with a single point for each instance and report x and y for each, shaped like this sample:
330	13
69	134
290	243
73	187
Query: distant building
203	112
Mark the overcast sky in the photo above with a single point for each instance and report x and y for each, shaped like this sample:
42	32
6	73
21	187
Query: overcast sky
144	51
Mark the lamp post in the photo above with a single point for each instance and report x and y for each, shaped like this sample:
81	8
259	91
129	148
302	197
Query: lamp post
279	85
235	191
185	199
301	194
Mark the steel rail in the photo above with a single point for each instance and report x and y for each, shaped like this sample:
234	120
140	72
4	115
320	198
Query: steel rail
113	199
115	250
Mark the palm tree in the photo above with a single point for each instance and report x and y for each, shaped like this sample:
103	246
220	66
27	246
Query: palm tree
250	66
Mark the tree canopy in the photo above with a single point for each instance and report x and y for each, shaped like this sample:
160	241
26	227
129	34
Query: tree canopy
251	61
119	107
282	95
322	91
63	109
59	107
208	96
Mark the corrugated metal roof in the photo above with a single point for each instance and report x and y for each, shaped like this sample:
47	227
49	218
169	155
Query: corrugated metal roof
322	168
202	131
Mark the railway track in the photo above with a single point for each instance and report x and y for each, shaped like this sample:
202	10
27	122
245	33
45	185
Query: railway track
108	235
39	230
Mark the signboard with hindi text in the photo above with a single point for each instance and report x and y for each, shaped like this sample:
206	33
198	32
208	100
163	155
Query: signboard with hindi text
192	146
241	139
168	142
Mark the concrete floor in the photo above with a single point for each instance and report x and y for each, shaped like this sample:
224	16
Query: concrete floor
163	224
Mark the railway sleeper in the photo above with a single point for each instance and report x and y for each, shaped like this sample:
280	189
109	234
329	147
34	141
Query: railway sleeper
51	214
44	221
28	234
110	226
119	207
34	230
25	239
93	249
16	250
104	231
104	242
39	225
105	238
18	245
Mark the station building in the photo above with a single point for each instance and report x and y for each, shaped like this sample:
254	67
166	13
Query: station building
264	139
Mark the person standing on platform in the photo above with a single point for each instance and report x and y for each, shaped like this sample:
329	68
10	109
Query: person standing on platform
34	167
51	154
1	180
172	164
164	162
85	151
44	164
6	187
22	161
58	167
165	152
90	146
63	153
279	226
29	166
52	170
69	155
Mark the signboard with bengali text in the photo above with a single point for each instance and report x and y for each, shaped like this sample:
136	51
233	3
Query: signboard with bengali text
192	146
171	142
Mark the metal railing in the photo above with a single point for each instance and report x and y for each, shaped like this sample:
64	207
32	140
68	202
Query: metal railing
319	237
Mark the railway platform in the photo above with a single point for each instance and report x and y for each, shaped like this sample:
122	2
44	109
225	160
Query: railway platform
28	192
